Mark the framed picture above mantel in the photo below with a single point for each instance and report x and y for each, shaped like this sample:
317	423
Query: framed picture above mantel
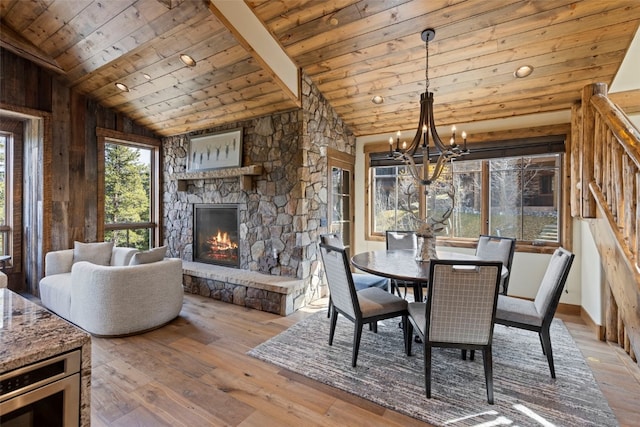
215	151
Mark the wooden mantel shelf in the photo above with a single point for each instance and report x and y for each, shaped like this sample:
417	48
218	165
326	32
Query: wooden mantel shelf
244	173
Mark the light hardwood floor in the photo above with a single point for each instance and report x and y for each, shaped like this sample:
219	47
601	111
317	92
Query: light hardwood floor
194	372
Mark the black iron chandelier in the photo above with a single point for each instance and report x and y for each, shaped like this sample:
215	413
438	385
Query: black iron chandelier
427	132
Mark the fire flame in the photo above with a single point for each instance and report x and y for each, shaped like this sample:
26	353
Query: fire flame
221	242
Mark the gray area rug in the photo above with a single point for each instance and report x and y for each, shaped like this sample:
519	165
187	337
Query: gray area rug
524	392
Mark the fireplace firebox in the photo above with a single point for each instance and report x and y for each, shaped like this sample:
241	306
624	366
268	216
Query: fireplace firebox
216	234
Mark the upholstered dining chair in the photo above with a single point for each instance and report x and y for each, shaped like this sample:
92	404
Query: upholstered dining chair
537	315
400	239
497	248
360	280
459	312
365	306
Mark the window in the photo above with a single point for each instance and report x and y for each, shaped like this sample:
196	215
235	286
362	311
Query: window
394	198
522	193
518	196
5	193
129	195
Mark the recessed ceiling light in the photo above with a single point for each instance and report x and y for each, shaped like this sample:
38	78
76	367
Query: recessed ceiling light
146	76
377	100
523	71
188	61
334	21
123	87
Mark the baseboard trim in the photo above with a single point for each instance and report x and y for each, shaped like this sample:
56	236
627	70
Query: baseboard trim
598	330
569	309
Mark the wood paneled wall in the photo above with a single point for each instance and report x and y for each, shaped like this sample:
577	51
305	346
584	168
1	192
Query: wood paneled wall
63	164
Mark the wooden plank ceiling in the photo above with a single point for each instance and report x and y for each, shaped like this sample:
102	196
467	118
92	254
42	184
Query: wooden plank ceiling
351	49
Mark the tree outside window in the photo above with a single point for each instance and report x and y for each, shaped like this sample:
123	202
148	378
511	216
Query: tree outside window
518	196
395	199
127	188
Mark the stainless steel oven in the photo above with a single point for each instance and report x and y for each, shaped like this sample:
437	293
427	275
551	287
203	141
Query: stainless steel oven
46	393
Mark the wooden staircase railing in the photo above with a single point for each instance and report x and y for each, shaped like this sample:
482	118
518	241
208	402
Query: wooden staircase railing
607	156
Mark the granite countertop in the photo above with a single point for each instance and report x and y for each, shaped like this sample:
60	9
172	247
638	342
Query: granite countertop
29	332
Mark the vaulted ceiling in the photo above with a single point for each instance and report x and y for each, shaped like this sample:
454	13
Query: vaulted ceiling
351	49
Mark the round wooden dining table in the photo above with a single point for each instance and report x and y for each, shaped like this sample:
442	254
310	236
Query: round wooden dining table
401	264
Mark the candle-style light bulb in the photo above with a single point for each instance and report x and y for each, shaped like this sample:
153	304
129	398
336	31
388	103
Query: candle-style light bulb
404	145
425	142
464	139
398	140
390	145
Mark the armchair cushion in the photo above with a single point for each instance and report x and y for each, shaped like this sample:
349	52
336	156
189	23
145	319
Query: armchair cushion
517	310
57	262
364	281
121	256
375	302
95	253
53	290
147	257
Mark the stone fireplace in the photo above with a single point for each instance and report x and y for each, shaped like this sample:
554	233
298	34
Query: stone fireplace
281	206
216	234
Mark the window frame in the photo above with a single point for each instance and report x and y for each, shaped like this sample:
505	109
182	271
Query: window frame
565	220
7	228
107	136
16	128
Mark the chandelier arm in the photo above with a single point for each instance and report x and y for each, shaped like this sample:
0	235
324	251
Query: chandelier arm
416	139
437	170
432	125
411	165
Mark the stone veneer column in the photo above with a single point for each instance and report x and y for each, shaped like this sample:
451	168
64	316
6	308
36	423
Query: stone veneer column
281	214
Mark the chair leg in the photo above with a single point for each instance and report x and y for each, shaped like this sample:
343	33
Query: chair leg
406	336
373	326
329	307
357	334
472	354
488	372
544	351
408	332
545	338
427	370
332	328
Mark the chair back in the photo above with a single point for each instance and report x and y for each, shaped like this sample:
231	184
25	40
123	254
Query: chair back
553	281
340	280
494	248
461	306
497	248
332	239
401	239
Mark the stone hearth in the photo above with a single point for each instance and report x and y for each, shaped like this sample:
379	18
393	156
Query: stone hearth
275	294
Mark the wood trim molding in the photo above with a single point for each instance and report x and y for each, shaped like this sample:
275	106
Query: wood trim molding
598	330
127	138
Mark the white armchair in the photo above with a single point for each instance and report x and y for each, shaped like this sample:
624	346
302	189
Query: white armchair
116	299
3	280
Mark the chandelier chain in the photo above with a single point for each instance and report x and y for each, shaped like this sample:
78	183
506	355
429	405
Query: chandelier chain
426	69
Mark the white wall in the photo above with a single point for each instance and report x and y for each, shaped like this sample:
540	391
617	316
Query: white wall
592	277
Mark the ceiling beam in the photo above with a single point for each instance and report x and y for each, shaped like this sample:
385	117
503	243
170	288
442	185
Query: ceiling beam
260	43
